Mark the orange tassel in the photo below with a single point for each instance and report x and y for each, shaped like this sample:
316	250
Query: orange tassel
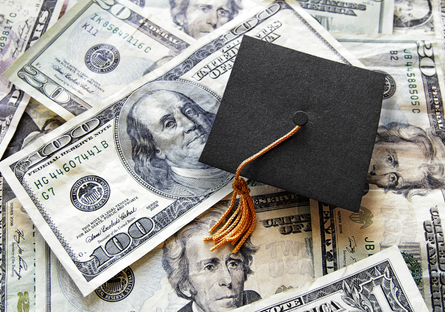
242	222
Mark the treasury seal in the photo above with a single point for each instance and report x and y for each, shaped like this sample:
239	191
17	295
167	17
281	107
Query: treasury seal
90	193
118	287
102	58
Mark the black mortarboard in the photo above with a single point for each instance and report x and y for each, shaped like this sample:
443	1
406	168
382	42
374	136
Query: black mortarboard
270	89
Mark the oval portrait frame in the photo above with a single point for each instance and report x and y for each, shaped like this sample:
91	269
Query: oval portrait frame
207	99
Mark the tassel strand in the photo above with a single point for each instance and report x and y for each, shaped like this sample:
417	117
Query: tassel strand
241	224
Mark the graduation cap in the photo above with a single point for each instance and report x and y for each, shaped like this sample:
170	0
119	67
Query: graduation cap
272	89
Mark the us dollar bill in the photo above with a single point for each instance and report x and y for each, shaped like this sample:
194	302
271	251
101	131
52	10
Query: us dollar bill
414	79
405	178
18	245
17	280
343	237
358	17
197	18
380	283
194	18
123	197
418	17
279	257
96	47
36	121
22	24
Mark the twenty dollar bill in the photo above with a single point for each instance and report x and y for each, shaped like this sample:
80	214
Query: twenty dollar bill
96	47
405	193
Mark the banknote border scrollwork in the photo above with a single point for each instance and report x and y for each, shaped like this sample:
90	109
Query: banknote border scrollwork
433	232
50	222
317	34
74	105
433	94
161	222
21	166
47	6
353	288
3	248
324	242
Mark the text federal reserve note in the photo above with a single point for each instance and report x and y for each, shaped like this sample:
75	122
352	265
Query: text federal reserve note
379	283
277	256
109	186
405	203
96	48
22	23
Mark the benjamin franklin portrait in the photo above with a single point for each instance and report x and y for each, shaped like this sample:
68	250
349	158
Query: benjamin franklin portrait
163	128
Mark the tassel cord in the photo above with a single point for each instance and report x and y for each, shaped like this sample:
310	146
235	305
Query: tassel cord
241	224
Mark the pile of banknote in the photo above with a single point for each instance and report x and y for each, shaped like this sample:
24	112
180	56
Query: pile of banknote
105	107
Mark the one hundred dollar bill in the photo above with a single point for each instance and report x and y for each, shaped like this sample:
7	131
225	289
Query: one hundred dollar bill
355	16
379	283
279	258
96	48
103	193
18	245
22	24
405	175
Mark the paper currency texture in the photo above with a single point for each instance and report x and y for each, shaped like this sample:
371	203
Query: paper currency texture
96	48
405	175
277	257
379	283
19	29
112	184
371	17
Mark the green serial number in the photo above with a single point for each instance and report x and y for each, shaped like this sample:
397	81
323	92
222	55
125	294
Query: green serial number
67	167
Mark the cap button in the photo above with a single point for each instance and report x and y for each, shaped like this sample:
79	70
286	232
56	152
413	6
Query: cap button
300	118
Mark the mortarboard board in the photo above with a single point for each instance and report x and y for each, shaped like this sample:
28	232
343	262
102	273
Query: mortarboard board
270	90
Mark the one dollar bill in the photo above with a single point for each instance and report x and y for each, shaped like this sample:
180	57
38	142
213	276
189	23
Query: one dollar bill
344	237
379	283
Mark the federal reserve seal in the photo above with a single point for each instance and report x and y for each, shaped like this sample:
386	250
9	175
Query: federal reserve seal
90	193
118	287
102	58
390	85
